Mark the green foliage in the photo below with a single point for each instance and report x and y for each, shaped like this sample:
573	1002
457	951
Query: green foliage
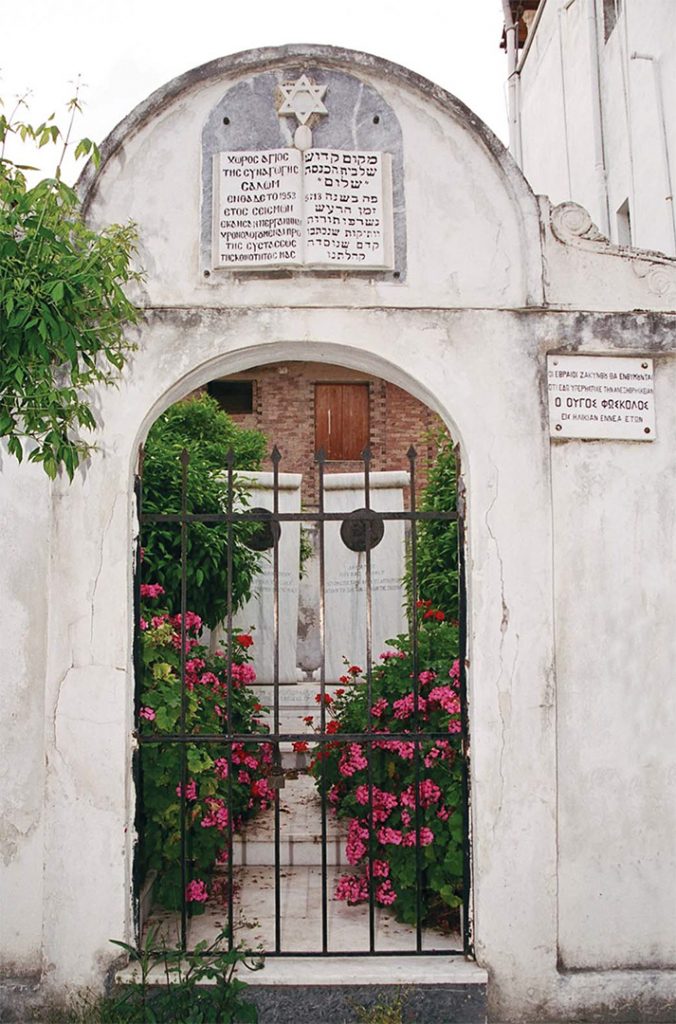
208	434
383	1011
62	305
200	987
342	768
437	541
222	789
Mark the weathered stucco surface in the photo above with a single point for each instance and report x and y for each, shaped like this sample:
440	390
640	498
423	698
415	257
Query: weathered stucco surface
596	115
570	552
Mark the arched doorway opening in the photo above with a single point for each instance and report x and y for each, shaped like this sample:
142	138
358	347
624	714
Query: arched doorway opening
303	785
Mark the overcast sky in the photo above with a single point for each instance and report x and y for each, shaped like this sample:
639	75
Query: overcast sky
124	49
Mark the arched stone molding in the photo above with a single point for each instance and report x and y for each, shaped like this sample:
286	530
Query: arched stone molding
89	702
473	225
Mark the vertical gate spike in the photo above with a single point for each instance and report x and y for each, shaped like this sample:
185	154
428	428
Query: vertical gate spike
230	458
320	456
367	454
275	456
185	457
412	454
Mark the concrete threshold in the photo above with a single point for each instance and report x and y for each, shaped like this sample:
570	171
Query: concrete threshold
368	970
323	990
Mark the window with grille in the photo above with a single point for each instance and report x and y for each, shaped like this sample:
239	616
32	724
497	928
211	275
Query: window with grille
233	396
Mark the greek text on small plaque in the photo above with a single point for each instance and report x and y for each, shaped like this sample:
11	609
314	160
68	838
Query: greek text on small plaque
601	397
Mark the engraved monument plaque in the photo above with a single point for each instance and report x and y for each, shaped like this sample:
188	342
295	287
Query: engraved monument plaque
301	207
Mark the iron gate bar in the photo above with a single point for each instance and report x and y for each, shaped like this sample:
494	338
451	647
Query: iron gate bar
467	895
230	462
366	456
360	953
137	760
416	706
320	460
185	459
276	738
291	517
200	738
275	681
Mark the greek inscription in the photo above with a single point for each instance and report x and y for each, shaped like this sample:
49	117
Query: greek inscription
605	397
287	208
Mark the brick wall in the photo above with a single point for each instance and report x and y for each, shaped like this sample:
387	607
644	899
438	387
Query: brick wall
283	408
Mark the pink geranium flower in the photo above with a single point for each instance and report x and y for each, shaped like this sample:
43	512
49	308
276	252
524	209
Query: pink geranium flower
196	891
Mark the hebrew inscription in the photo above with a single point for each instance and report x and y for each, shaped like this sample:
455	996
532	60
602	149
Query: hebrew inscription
313	209
346	197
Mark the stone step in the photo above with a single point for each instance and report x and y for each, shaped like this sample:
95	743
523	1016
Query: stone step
300	830
296	702
433	990
325	990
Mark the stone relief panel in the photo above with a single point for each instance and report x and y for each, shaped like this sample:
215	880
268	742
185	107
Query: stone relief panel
345	127
573	225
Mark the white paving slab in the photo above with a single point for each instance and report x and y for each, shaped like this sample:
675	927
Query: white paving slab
300	830
301	917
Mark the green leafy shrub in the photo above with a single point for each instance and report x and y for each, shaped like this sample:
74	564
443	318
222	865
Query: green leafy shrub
200	987
391	835
62	306
437	540
222	789
208	435
384	1011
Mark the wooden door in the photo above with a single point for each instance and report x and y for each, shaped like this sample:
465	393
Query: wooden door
342	420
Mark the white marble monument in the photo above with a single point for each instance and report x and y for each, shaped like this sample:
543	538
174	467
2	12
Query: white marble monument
258	612
345	571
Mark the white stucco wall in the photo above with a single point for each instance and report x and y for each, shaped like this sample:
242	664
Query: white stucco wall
24	568
558	98
570	548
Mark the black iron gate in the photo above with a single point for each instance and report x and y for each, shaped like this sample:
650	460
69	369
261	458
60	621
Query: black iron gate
427	728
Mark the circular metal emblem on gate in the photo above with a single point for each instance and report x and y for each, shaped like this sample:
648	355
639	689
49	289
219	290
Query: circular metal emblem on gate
362	530
265	531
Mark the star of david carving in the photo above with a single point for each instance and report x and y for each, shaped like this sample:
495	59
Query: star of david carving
302	99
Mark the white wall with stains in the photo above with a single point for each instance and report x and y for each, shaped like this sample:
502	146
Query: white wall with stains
570	552
596	111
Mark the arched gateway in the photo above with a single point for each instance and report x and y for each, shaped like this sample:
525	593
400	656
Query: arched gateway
309	203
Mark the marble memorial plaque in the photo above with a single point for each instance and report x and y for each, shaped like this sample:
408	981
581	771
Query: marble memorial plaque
258	612
318	209
601	397
347	209
345	572
258	208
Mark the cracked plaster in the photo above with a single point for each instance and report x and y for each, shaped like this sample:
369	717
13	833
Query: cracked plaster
476	354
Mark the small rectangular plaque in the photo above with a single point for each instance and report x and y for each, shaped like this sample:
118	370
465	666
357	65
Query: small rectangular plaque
601	397
318	209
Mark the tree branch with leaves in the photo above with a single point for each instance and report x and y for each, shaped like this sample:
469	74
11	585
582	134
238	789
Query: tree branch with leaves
63	308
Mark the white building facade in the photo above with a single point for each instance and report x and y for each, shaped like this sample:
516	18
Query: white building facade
570	542
592	100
